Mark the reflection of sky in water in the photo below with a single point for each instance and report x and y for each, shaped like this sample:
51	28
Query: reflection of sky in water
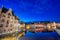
40	36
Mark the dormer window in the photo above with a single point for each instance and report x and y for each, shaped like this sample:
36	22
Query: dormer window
9	14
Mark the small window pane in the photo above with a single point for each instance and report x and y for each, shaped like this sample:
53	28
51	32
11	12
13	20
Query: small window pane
1	25
7	21
3	20
6	25
3	15
9	14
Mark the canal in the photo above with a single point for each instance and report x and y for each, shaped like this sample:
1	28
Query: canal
40	36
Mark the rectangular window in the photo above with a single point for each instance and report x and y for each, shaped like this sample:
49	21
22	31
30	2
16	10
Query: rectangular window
4	30
2	20
7	21
11	25
1	25
1	31
8	16
3	15
11	21
6	25
10	29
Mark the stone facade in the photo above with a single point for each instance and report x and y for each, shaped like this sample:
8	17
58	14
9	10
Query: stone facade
8	21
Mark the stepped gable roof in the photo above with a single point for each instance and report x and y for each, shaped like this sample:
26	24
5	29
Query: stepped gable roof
4	9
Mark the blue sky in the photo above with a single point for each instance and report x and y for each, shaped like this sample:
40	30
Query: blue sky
34	10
